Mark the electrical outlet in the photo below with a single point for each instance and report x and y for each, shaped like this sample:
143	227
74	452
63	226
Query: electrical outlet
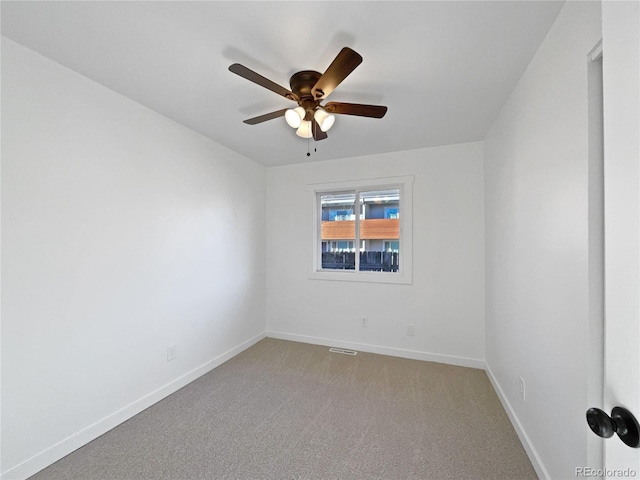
364	321
523	395
411	330
171	352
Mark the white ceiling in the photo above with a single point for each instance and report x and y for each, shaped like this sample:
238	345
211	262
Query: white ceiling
444	69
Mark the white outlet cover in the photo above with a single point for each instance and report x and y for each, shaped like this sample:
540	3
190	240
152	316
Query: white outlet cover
171	352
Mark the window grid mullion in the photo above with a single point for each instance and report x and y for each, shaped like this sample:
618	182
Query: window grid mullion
356	243
318	231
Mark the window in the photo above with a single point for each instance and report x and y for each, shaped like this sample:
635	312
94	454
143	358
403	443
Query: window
391	246
391	212
338	246
339	215
375	246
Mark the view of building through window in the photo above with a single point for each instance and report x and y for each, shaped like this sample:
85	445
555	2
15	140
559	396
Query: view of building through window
376	235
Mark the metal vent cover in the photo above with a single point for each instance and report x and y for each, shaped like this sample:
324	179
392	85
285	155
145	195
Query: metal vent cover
343	351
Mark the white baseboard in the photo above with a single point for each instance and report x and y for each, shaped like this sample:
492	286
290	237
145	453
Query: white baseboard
393	352
538	466
91	432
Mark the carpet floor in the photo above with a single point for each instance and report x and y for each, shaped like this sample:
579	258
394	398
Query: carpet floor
287	410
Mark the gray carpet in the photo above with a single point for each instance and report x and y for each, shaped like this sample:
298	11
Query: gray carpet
286	410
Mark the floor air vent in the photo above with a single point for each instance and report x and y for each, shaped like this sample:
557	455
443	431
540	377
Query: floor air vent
342	350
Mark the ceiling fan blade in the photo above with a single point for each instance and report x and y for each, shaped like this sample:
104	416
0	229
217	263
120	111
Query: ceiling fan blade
359	109
317	133
254	77
265	117
345	63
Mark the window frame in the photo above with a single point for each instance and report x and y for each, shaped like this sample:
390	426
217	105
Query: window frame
404	275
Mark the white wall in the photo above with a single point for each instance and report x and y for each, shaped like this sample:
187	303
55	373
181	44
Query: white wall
537	251
446	299
122	233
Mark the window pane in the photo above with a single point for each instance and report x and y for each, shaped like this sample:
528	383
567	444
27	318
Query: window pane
380	230
338	231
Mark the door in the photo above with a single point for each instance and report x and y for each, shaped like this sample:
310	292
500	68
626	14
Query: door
621	114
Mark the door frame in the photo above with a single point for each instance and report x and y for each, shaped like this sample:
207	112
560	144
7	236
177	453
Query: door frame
621	113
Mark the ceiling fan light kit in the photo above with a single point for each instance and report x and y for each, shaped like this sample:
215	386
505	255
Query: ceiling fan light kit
294	116
305	129
308	89
325	120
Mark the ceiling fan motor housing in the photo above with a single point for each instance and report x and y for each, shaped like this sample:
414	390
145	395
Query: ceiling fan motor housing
302	84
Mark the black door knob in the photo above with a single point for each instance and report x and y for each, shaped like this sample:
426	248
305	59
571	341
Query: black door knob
600	423
621	422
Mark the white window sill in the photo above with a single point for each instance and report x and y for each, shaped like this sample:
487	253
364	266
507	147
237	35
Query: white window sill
365	277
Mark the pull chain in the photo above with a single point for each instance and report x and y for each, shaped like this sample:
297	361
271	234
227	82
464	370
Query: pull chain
315	131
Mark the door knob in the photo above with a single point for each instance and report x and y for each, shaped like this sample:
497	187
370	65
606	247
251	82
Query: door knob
621	422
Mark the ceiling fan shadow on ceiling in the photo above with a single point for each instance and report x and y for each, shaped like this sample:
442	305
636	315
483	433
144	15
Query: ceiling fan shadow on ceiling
308	89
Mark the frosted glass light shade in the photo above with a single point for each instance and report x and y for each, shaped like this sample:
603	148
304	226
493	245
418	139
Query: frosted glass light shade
304	130
294	116
325	120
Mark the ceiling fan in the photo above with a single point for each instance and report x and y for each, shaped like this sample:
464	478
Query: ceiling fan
308	89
